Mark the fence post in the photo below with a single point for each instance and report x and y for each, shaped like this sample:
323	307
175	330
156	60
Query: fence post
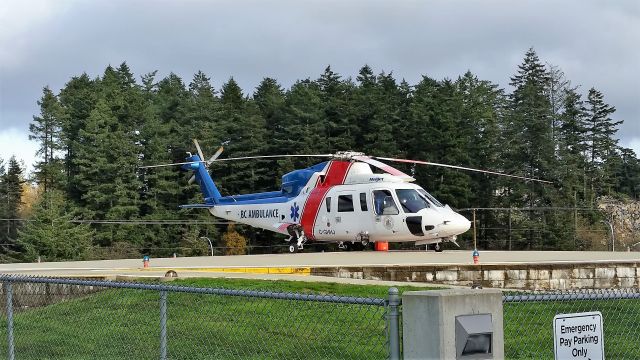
393	320
163	324
9	291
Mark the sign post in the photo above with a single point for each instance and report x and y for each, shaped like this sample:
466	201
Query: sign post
578	336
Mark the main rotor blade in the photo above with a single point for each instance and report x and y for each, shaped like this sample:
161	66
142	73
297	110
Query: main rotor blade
462	168
273	156
384	167
174	164
215	156
195	142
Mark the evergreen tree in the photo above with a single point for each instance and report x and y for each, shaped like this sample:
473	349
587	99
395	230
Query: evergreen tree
46	129
482	112
601	142
244	135
571	145
77	99
201	111
336	94
628	174
529	127
107	163
51	235
11	185
269	97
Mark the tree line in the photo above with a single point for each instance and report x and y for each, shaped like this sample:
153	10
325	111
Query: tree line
95	133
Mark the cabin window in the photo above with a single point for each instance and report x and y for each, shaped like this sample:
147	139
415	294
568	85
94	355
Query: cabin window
345	203
328	203
363	202
411	201
384	204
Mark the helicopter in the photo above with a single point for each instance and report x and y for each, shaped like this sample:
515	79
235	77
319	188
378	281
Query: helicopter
340	200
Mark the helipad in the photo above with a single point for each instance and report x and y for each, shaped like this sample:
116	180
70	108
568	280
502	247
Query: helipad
512	269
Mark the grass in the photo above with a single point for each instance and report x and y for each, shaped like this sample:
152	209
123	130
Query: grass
124	324
528	327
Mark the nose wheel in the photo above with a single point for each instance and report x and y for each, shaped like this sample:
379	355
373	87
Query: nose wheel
437	247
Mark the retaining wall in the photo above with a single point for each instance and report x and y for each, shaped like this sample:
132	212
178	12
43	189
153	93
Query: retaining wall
517	276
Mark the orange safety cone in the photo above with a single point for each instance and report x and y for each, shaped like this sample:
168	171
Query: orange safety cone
382	246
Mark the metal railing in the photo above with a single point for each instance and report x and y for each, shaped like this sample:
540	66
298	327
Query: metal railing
528	321
78	319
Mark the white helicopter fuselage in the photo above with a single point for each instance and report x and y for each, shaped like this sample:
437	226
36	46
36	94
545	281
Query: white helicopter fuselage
346	202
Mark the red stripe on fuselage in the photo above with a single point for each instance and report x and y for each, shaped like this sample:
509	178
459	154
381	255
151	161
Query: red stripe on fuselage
336	174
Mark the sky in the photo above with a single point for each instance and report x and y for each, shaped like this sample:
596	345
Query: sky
46	42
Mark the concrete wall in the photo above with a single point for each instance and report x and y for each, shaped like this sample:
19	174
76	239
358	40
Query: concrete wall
520	276
30	295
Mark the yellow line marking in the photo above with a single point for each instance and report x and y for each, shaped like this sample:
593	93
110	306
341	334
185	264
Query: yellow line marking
243	270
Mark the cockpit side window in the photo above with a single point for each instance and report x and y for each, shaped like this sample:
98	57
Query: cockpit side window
430	198
363	201
411	201
384	204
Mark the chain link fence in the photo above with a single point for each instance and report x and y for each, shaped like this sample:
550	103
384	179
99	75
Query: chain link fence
528	321
49	318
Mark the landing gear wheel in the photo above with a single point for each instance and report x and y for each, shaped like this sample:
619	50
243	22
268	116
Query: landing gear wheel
437	247
293	248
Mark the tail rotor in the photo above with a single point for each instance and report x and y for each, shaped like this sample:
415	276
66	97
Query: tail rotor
208	162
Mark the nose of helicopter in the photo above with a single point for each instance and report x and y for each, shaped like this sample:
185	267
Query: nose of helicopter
457	224
461	224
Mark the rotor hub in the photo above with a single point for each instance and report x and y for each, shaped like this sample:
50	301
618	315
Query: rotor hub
347	155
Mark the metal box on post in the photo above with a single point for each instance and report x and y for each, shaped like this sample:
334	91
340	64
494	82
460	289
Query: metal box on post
474	337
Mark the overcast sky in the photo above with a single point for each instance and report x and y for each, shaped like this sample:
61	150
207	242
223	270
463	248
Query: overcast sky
596	44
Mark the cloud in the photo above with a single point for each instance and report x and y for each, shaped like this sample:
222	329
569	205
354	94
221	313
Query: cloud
21	21
633	144
592	41
15	142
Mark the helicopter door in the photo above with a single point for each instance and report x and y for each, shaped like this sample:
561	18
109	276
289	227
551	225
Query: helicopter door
384	208
347	217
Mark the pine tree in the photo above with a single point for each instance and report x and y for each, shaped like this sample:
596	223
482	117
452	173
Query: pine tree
628	174
77	99
11	185
601	142
269	97
107	163
340	132
51	235
244	135
571	143
46	129
201	111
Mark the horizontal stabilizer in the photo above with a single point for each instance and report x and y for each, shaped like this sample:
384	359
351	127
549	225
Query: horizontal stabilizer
196	206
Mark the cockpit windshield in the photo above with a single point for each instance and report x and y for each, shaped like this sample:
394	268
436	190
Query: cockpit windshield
430	198
411	201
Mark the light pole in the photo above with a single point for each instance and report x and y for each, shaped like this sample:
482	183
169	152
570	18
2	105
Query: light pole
613	239
210	245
